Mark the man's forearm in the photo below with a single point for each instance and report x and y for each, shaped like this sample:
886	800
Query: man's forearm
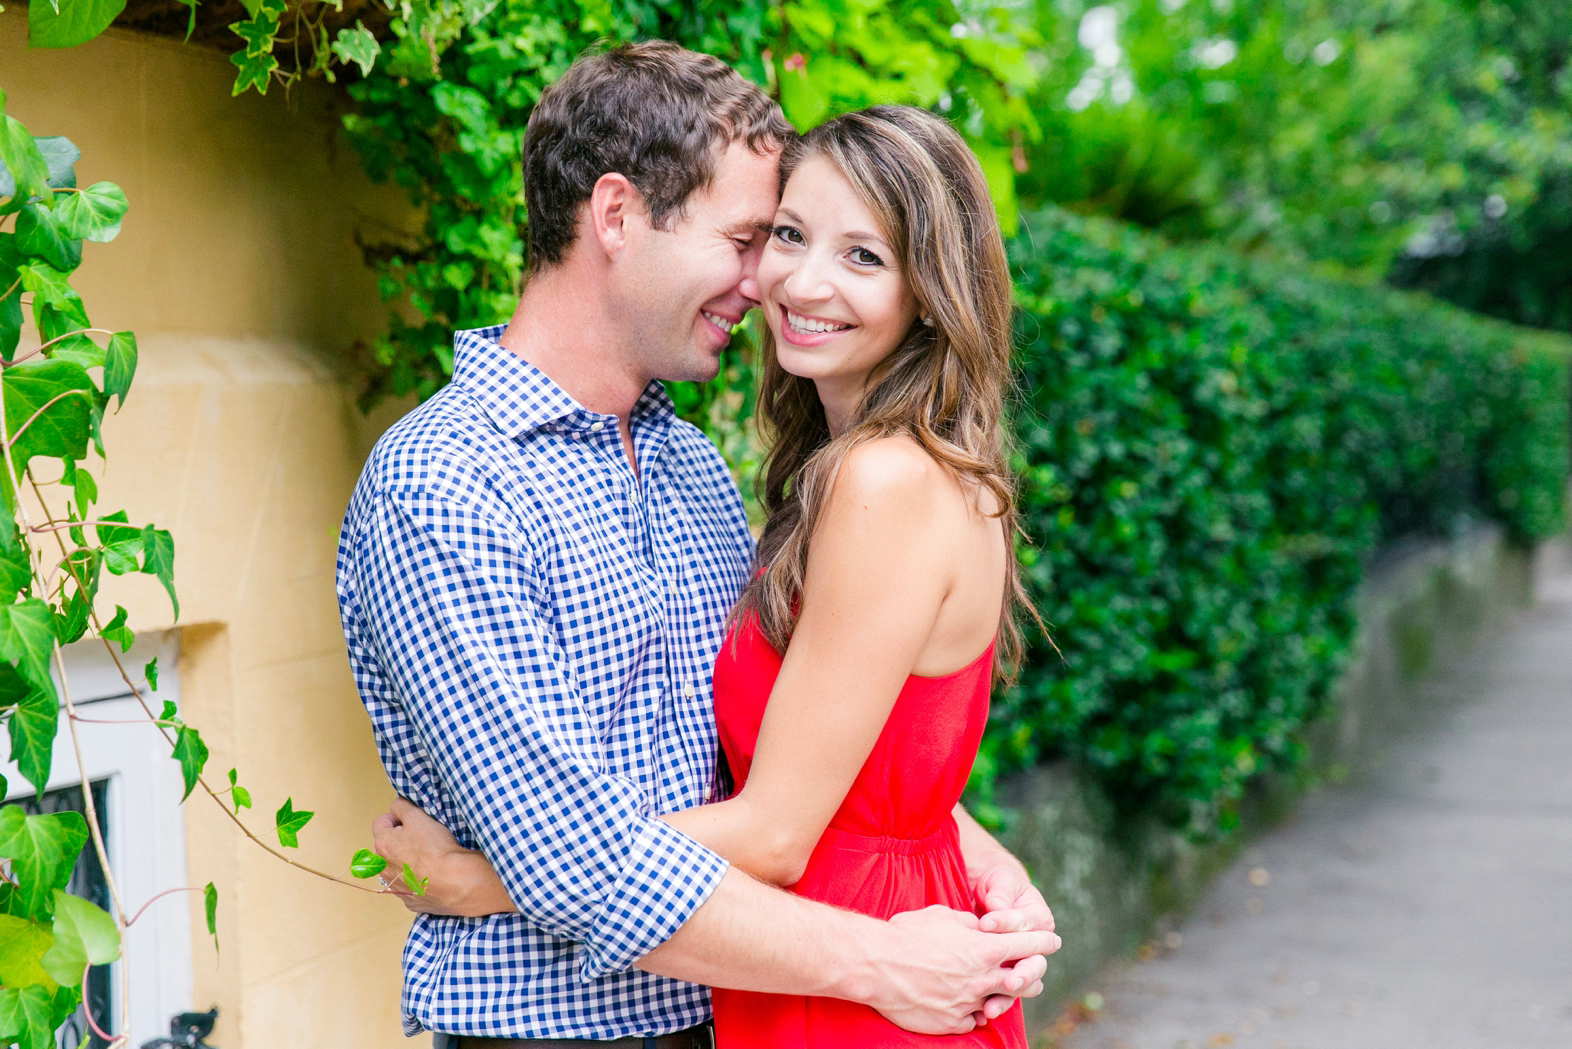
750	936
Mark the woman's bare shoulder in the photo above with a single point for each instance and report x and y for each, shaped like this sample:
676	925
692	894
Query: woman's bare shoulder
892	472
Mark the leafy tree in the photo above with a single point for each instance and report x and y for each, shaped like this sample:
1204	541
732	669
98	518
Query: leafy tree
1401	133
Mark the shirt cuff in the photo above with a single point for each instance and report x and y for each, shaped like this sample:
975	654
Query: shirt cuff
667	877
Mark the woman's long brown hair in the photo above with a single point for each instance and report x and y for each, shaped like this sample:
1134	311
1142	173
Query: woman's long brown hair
943	385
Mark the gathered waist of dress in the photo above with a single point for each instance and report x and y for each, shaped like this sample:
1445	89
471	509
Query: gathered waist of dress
835	837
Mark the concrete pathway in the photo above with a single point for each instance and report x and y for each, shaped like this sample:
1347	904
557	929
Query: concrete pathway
1427	907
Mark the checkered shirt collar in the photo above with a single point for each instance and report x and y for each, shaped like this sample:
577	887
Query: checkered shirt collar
519	398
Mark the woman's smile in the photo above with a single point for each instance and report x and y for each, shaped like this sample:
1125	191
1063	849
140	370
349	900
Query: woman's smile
804	330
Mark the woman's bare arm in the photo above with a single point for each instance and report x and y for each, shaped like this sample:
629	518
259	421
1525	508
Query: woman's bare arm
878	572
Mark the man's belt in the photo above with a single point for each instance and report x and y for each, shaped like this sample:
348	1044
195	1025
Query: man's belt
700	1037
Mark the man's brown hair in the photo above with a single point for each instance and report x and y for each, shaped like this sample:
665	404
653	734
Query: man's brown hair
658	114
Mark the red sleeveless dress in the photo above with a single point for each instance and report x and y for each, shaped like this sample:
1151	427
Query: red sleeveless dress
891	847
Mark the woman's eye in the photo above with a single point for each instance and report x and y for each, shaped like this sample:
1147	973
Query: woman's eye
864	257
788	234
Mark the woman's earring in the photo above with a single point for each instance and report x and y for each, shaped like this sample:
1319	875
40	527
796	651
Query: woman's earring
928	321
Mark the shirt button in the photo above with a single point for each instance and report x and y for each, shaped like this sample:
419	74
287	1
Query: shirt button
597	426
688	691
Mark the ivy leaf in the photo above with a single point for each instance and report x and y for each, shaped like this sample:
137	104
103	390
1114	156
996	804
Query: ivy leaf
47	282
238	794
414	884
60	156
57	308
39	234
116	528
76	21
13	689
357	45
158	559
86	490
27	642
92	214
42	851
367	864
84	935
119	365
10	296
210	906
151	673
191	752
170	714
258	31
32	727
26	171
27	1013
15	573
255	71
79	350
62	430
116	630
23	945
71	623
65	1003
289	823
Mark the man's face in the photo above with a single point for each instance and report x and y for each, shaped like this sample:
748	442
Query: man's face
681	291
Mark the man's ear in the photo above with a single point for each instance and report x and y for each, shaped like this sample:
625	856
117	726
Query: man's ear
614	203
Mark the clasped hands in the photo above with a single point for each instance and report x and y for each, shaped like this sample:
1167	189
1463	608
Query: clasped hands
461	882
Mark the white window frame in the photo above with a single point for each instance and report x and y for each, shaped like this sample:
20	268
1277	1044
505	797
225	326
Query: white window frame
147	847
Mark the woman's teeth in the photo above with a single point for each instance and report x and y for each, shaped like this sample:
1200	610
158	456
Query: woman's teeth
805	326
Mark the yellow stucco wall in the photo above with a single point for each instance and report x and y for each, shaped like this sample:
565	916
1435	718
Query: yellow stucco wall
238	272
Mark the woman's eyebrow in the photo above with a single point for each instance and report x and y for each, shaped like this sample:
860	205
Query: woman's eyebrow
789	213
858	234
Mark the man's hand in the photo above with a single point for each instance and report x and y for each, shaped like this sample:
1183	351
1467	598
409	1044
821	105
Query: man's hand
459	881
947	972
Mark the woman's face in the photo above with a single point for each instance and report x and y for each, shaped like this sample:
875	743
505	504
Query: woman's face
829	283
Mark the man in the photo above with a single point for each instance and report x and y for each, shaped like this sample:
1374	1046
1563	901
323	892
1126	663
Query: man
534	577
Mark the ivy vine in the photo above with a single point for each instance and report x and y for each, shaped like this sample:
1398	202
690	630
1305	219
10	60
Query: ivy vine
56	544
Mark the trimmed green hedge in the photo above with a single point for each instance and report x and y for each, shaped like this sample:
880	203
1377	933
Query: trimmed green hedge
1210	448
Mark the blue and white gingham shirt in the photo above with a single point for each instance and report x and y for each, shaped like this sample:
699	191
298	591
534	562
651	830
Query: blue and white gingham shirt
532	628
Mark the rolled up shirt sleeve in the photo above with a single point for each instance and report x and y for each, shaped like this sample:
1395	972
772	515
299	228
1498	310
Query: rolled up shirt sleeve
447	602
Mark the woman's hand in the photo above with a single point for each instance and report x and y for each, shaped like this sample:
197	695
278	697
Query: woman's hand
458	881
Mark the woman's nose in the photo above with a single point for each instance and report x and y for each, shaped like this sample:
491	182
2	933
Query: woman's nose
808	280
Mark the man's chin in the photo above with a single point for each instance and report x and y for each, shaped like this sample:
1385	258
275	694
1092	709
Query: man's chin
700	367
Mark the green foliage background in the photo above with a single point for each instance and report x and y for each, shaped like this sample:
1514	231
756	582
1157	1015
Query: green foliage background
1210	447
1424	141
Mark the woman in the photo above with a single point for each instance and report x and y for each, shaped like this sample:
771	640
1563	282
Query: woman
853	688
